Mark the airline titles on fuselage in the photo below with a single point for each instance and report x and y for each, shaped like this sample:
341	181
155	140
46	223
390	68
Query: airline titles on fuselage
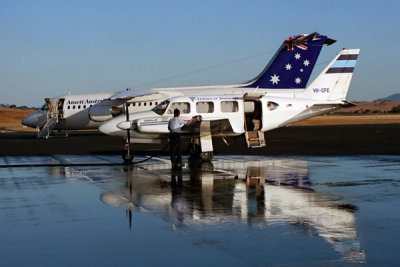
82	102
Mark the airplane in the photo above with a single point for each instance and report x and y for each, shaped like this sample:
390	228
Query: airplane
83	111
88	111
233	114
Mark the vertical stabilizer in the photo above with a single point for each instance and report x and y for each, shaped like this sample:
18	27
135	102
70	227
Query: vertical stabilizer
334	81
293	63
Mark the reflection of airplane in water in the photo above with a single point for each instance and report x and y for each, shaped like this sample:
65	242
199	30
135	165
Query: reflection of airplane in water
258	192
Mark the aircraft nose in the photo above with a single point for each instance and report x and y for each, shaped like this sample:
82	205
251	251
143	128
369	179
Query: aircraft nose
32	120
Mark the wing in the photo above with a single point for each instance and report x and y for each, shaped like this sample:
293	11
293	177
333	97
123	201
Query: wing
216	127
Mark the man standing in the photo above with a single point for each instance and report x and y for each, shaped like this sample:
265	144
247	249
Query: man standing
174	126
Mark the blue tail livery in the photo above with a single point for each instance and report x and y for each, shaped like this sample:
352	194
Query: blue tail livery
292	65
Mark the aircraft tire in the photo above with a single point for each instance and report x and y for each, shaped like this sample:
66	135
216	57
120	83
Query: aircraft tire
128	158
206	156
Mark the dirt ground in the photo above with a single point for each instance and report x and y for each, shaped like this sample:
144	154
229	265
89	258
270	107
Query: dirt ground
10	120
350	119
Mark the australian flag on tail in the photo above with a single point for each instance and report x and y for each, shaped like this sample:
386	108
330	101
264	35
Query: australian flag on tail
293	63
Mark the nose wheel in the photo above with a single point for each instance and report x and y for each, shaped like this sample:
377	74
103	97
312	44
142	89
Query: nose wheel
127	156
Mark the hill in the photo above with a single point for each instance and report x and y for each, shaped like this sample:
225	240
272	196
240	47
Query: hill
393	98
370	108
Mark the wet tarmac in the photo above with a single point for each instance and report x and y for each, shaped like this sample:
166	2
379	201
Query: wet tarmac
82	210
328	140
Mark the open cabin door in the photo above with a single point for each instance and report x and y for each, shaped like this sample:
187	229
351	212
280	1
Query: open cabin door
60	108
253	120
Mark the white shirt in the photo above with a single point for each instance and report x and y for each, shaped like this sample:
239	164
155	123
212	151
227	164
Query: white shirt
175	124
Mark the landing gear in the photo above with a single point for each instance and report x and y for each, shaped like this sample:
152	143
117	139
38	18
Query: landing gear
195	151
127	156
206	156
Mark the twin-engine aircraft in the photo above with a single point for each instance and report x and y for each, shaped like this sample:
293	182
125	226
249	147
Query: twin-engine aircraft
245	110
290	67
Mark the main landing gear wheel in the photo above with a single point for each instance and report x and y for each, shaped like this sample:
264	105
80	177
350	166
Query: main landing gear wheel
127	157
195	152
206	156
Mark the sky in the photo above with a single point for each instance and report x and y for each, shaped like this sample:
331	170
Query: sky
53	47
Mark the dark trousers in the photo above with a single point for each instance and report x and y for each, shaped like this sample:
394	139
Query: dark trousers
176	153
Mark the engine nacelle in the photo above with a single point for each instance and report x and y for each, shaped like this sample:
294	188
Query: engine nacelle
104	112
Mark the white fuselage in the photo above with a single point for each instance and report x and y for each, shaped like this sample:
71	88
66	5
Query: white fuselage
234	115
88	111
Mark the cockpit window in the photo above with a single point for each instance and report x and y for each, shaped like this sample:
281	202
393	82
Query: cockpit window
160	109
184	107
44	107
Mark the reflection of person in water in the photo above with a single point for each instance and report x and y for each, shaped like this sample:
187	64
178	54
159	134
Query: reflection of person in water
177	203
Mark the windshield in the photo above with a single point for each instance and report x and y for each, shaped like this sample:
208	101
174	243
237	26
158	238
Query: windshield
160	108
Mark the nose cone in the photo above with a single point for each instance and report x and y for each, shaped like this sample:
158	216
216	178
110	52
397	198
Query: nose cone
34	120
110	127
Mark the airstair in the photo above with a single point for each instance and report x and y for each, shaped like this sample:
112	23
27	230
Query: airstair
253	118
51	120
255	139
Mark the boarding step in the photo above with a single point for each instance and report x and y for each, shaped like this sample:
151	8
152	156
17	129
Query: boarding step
255	139
47	128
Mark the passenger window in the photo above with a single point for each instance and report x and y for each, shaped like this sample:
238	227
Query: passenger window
229	106
79	106
139	104
184	107
69	107
133	104
84	106
73	107
155	104
272	105
205	107
144	103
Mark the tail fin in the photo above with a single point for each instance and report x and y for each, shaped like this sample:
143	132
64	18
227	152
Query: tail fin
334	81
292	64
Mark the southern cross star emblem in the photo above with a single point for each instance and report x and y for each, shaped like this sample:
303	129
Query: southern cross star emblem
306	62
297	56
297	80
274	79
288	67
